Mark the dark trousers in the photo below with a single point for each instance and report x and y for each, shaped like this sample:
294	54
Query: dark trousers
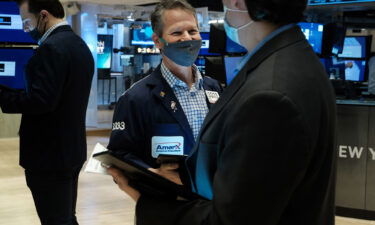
55	195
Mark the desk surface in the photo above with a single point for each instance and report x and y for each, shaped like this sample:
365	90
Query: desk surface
355	102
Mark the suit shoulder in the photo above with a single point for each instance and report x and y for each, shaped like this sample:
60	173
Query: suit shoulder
139	91
212	83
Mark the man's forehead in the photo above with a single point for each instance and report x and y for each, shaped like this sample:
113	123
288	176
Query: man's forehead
173	16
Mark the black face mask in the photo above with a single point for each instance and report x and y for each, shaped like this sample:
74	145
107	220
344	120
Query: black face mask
35	34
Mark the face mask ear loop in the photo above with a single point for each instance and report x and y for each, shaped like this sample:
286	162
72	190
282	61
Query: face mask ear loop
164	41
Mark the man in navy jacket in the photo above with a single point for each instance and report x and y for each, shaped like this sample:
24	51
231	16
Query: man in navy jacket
163	113
53	107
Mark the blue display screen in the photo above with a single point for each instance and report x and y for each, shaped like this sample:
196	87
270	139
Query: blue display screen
11	29
354	47
330	2
104	50
233	47
206	44
231	64
12	66
142	34
355	70
314	35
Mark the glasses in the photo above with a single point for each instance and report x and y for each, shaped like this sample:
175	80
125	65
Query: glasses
27	26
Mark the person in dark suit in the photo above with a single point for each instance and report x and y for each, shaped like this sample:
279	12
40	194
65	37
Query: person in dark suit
163	113
266	151
53	107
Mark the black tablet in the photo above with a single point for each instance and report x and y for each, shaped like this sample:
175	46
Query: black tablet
144	180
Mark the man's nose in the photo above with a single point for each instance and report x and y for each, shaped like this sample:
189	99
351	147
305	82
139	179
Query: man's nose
186	36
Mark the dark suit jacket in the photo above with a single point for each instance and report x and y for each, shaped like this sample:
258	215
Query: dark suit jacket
266	149
53	106
143	112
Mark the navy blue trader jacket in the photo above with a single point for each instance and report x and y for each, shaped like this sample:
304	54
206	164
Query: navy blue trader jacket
146	111
58	81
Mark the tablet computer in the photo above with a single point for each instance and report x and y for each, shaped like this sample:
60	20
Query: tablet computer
145	181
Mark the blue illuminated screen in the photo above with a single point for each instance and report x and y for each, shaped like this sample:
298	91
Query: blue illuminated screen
142	34
354	47
329	2
11	30
355	70
232	47
12	66
314	35
104	50
231	64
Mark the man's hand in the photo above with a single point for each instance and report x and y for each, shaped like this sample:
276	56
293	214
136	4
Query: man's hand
123	183
169	171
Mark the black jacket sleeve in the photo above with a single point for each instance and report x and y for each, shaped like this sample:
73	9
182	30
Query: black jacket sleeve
46	75
128	128
262	157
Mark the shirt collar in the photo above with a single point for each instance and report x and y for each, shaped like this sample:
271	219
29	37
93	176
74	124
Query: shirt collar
49	31
174	81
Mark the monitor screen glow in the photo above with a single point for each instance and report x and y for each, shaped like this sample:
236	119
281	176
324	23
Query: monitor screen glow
354	47
104	50
12	66
314	35
11	30
355	70
142	35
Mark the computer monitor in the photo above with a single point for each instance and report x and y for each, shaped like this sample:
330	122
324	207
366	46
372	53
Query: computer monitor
355	70
215	68
204	51
104	51
201	64
11	28
12	66
142	34
127	60
234	48
231	64
218	38
331	2
314	35
355	47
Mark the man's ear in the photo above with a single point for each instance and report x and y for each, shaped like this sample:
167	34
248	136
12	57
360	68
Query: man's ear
44	15
157	41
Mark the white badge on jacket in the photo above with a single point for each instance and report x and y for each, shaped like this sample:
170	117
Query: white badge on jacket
167	145
212	96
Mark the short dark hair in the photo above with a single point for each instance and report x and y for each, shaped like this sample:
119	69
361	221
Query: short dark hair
157	15
277	11
54	7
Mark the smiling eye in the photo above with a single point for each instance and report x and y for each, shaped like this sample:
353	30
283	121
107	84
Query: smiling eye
176	33
193	32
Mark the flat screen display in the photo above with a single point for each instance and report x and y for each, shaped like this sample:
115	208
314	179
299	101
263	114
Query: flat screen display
354	47
142	34
12	66
330	2
11	30
231	64
205	44
104	50
314	35
355	70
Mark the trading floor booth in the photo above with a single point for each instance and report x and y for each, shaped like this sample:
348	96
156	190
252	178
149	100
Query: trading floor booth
355	192
342	34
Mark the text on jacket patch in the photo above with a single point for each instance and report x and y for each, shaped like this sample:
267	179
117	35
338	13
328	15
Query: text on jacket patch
118	126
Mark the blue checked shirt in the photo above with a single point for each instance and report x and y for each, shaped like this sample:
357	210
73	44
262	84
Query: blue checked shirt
192	101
